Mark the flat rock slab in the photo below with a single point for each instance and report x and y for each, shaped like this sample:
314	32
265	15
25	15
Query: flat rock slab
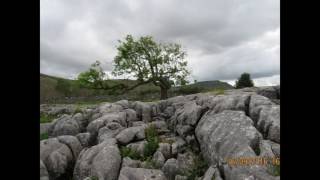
128	173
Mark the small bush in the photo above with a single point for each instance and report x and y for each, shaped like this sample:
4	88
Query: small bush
274	169
94	178
131	153
152	141
45	118
150	164
199	167
44	136
77	110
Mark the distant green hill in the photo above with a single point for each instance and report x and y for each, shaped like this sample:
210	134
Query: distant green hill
60	90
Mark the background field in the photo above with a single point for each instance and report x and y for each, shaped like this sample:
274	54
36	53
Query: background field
59	90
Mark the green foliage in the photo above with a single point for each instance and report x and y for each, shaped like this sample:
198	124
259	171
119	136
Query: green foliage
244	81
152	141
218	91
131	153
44	136
274	169
93	78
149	61
45	118
200	165
94	178
150	164
77	110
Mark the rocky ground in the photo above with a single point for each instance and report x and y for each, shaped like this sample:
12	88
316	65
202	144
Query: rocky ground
181	138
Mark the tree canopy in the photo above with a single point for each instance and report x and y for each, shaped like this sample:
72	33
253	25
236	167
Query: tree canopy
150	62
144	60
244	81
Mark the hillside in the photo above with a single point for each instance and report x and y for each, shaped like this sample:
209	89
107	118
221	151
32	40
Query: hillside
60	90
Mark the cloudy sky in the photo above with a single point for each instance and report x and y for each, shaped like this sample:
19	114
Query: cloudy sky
223	38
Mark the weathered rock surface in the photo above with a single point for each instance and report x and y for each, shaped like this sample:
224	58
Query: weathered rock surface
230	134
101	161
65	125
170	168
128	173
57	157
128	162
238	123
44	175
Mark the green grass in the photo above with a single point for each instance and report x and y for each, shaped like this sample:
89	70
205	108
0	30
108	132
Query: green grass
49	93
152	141
150	164
131	153
274	169
199	167
218	91
45	118
44	136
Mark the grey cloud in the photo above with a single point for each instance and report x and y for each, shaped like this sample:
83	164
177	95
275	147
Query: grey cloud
222	38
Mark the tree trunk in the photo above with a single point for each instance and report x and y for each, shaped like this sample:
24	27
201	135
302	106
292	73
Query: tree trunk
164	93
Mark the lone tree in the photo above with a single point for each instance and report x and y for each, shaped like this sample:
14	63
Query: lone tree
144	60
151	62
244	81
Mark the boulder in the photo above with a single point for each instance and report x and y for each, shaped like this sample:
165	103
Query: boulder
143	111
178	146
73	143
81	120
129	134
131	116
107	108
57	158
237	101
44	175
95	125
128	173
128	162
65	125
212	173
85	139
158	159
165	149
170	168
111	130
123	103
269	92
230	134
101	161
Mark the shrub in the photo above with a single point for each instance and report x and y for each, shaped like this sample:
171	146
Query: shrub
44	136
274	169
131	153
77	110
45	118
150	164
199	167
244	81
152	141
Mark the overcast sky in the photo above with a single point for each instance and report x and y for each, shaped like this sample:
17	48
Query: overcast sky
223	38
